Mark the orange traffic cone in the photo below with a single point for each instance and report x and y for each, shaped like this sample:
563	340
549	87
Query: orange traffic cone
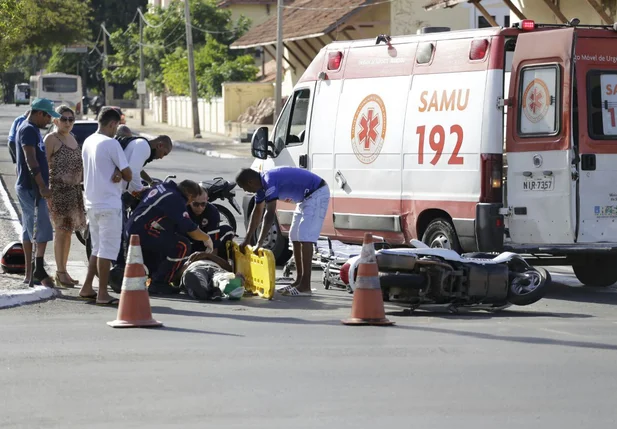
134	310
367	307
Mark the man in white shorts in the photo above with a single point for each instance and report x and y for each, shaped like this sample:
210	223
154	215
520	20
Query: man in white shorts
105	166
312	197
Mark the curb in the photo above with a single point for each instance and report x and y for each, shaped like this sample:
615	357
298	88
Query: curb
15	298
191	148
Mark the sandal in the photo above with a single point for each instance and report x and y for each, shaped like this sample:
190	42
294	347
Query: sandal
61	283
293	291
89	297
111	302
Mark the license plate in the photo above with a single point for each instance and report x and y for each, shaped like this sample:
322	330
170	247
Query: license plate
544	184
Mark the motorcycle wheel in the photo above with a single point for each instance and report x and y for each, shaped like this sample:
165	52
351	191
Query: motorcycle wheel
227	217
526	291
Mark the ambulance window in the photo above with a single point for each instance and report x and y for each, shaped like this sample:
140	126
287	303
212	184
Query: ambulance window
425	53
602	102
292	123
539	96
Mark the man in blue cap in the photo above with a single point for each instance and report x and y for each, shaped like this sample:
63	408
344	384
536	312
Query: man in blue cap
32	187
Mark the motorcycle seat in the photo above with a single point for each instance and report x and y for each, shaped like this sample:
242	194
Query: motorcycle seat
218	185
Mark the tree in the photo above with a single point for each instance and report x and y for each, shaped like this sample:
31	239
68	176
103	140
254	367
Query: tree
213	67
32	25
164	40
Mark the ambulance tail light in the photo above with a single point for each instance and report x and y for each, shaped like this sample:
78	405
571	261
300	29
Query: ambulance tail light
491	170
334	60
528	25
478	49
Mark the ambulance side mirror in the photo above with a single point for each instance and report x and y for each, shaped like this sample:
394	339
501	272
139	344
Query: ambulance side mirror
260	144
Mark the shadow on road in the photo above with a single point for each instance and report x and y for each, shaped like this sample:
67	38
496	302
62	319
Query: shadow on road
480	314
197	331
245	318
518	339
592	295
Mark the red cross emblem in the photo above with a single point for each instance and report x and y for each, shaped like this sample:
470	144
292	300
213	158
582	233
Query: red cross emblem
536	100
368	131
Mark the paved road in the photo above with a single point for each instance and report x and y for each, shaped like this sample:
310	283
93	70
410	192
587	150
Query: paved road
290	363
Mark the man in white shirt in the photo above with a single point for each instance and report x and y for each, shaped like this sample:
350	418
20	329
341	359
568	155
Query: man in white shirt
139	152
105	166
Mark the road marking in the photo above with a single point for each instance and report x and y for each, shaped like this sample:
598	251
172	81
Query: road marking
14	218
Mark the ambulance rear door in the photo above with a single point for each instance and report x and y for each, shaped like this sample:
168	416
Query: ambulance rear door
596	72
541	189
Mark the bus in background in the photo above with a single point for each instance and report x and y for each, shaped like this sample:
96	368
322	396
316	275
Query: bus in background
22	94
61	88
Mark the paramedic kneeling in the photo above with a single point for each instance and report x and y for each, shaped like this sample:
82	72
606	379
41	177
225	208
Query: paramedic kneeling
162	223
311	195
208	218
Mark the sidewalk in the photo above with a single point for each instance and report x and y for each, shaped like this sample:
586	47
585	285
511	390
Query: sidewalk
13	291
213	145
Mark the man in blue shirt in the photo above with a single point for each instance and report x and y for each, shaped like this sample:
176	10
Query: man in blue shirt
162	222
312	197
13	135
32	186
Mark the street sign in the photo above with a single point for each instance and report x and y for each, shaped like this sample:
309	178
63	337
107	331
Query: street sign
141	87
75	49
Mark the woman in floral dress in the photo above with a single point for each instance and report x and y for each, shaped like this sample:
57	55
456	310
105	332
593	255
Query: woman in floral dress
66	204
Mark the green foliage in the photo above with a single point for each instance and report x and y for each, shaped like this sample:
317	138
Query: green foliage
36	25
213	66
165	61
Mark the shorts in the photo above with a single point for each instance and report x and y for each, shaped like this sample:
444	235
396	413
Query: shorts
105	232
44	230
309	216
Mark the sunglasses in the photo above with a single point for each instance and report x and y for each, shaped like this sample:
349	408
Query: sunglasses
67	119
196	204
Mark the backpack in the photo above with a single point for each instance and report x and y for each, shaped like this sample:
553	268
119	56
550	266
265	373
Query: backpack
13	260
125	140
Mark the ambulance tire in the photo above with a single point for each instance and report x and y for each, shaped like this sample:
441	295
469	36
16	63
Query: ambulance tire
278	244
596	272
440	233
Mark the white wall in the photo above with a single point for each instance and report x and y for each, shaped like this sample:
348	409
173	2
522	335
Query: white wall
180	113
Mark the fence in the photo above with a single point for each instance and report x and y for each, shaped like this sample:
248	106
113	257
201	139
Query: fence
215	116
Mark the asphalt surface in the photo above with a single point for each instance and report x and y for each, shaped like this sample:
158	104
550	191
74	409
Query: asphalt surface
290	363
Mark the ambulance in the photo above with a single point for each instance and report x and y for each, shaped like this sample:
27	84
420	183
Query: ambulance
479	140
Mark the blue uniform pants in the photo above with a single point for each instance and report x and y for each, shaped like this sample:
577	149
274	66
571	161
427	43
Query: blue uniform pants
164	252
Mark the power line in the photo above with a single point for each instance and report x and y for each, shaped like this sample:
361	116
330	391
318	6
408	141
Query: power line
337	8
145	21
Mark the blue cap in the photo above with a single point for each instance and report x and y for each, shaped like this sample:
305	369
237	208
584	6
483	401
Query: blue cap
45	105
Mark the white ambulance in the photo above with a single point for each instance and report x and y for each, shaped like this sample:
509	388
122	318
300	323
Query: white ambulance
412	134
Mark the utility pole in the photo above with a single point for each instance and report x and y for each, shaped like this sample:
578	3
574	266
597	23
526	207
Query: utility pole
141	65
107	102
278	93
192	77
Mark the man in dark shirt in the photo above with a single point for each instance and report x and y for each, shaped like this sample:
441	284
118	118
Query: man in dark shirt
32	187
162	222
312	197
13	135
208	218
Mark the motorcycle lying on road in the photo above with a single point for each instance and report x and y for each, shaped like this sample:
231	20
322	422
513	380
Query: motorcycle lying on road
424	276
217	188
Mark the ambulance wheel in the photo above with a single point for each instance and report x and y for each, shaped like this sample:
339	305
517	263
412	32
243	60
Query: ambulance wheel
278	244
440	234
596	271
